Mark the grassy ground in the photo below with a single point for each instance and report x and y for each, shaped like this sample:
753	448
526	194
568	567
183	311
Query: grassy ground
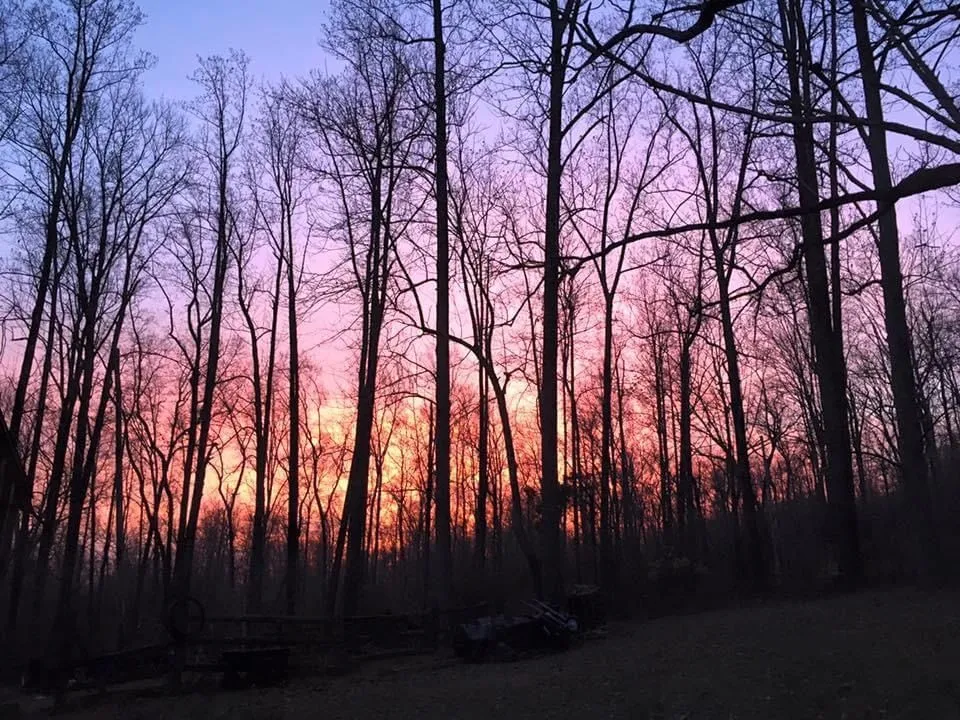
872	655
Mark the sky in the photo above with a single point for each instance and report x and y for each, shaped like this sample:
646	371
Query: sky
281	39
279	36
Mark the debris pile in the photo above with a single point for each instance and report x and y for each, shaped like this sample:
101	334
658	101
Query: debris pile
542	628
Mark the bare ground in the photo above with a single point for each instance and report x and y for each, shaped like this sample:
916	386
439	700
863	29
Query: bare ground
871	655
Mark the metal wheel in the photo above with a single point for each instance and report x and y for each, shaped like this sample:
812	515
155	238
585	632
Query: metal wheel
185	618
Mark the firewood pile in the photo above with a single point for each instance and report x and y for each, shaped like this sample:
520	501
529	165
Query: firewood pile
540	628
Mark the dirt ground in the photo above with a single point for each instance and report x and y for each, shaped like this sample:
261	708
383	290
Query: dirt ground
871	655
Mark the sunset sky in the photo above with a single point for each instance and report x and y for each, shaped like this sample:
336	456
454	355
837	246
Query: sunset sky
481	298
281	39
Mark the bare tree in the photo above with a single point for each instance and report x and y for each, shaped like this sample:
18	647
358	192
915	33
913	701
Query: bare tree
708	138
283	143
899	341
72	54
221	111
366	133
828	350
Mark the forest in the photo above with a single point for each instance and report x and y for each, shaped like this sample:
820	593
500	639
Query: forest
509	296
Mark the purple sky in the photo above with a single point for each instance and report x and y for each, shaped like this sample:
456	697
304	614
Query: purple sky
279	36
281	39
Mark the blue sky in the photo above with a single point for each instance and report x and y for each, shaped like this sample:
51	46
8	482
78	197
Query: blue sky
279	36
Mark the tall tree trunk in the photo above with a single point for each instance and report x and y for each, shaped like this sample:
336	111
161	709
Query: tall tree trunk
686	529
663	449
561	18
914	472
606	443
293	458
634	508
444	557
741	463
427	508
355	505
183	568
26	501
483	469
54	486
828	350
263	409
224	82
119	443
577	489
